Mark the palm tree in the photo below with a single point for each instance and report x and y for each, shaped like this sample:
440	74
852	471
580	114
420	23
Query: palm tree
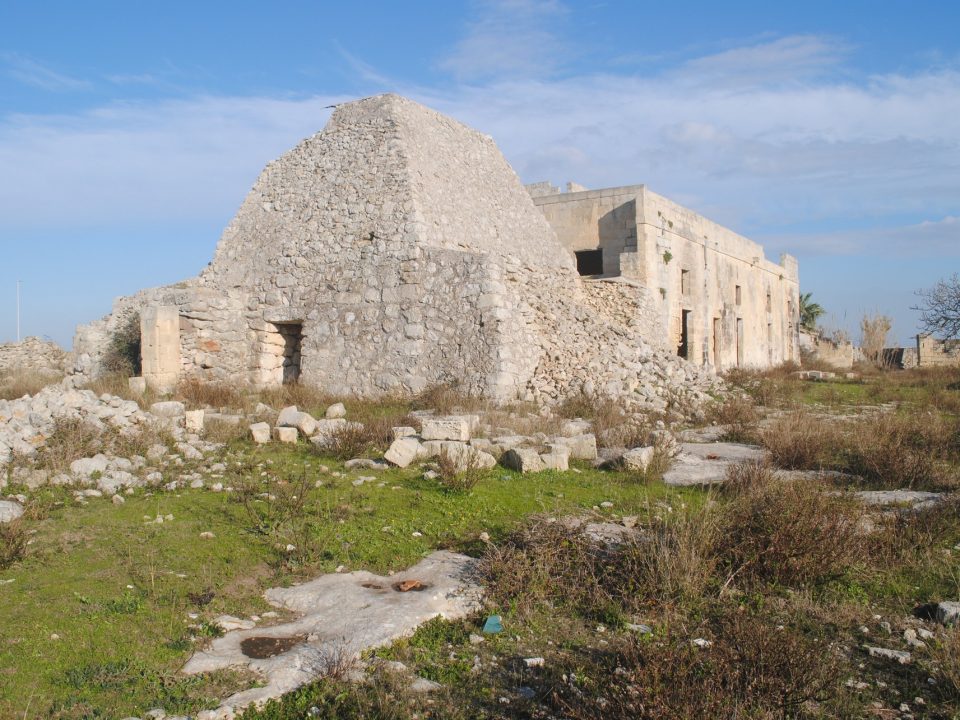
809	312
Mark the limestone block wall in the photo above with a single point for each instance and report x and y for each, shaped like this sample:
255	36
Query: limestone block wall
932	352
587	220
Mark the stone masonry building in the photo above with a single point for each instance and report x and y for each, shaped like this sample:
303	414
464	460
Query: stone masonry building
719	301
397	249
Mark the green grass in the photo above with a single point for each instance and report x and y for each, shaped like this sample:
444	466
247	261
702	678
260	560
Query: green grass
115	588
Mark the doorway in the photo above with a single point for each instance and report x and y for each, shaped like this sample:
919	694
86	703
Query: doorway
683	349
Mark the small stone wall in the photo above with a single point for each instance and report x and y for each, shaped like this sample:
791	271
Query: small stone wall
32	354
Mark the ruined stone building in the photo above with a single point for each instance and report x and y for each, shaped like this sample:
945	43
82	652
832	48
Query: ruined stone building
719	301
397	249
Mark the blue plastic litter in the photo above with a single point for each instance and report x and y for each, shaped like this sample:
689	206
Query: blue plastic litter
493	625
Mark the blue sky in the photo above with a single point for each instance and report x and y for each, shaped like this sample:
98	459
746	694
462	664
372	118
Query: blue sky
131	131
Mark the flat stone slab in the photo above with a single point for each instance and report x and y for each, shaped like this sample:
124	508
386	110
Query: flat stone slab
340	616
916	499
707	463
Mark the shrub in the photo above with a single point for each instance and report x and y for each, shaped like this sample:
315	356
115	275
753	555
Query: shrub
739	414
122	355
901	449
946	662
799	441
13	543
355	439
789	533
675	560
459	472
747	477
753	669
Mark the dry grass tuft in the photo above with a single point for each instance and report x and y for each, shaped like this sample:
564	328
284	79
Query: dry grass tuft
799	441
13	543
739	413
789	533
446	399
197	393
459	475
753	669
946	662
14	385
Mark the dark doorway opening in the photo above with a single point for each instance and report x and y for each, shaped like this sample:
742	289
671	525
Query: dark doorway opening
590	262
683	349
292	335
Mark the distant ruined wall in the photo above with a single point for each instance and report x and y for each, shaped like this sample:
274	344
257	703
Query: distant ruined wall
932	352
838	354
32	354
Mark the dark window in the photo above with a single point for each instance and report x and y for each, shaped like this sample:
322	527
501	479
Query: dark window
683	349
590	262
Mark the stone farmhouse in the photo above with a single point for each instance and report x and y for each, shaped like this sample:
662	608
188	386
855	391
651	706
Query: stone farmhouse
719	301
397	249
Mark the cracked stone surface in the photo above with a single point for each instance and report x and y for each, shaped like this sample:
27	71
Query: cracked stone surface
339	616
707	463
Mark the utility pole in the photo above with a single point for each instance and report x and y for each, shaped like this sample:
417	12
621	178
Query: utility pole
18	311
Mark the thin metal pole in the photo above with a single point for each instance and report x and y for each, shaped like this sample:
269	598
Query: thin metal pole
18	311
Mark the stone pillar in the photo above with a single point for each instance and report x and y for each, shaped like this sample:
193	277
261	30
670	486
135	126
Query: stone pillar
160	347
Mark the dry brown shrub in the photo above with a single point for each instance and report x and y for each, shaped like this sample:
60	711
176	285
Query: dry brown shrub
789	533
907	449
356	438
747	477
873	330
915	537
675	559
549	562
221	431
800	441
197	393
739	413
946	661
753	669
13	543
73	438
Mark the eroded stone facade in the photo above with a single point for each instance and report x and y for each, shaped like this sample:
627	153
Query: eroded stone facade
716	299
394	250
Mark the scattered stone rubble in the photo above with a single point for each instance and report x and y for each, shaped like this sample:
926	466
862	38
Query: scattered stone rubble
34	355
27	423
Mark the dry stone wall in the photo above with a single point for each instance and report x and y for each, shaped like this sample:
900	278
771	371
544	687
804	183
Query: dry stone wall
32	354
394	250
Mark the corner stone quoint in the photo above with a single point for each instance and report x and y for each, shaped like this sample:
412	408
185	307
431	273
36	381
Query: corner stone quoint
397	249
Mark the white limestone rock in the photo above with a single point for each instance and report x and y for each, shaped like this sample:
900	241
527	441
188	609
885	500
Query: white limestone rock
286	434
523	460
168	409
403	451
336	412
452	428
10	511
260	432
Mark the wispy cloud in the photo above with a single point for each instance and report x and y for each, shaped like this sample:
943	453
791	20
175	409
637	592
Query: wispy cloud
30	72
509	38
930	238
793	58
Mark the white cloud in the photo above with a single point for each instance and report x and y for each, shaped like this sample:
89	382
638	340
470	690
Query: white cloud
508	38
30	72
753	153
